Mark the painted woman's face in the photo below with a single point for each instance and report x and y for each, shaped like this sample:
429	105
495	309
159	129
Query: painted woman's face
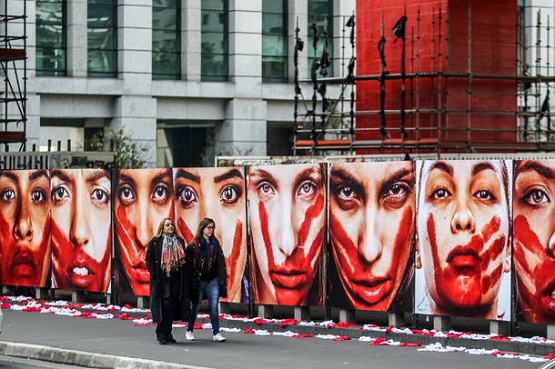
372	208
143	197
25	227
219	194
288	223
81	219
534	239
463	230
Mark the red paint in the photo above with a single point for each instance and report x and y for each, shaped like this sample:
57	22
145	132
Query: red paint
231	260
311	213
466	278
185	231
292	279
132	255
68	258
534	265
363	286
21	265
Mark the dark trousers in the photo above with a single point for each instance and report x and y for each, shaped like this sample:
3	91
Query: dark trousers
164	328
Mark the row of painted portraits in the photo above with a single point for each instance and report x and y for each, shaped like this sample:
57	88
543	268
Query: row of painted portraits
434	237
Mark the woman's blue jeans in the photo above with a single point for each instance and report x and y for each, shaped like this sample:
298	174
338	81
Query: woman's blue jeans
211	291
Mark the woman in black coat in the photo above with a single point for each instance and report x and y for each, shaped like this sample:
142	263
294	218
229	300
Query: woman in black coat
209	276
169	293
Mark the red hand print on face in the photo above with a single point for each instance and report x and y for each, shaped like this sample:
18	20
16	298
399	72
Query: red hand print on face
466	277
132	256
23	262
73	268
366	286
535	274
293	279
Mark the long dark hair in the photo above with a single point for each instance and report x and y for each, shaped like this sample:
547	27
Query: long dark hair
205	222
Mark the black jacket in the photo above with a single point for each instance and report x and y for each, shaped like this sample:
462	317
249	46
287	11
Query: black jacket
153	264
191	253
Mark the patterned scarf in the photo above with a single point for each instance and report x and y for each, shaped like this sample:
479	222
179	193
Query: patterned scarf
173	255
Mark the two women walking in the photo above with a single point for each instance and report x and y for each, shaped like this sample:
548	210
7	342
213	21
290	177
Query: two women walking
181	277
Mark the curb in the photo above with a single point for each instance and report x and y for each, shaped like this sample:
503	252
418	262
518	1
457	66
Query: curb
84	359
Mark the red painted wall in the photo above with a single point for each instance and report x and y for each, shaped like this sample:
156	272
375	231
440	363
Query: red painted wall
437	40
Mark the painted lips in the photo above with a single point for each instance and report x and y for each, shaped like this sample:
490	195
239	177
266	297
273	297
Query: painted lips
372	290
288	278
140	273
463	257
23	265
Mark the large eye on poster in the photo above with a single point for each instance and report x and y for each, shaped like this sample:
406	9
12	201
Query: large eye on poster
81	226
218	194
143	198
463	255
24	227
287	224
372	209
534	239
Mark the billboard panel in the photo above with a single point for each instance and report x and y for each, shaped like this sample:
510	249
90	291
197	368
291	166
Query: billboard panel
463	252
218	194
288	224
372	209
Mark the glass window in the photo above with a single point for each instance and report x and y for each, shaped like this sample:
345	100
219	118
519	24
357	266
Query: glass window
274	40
166	39
102	38
320	12
51	49
214	41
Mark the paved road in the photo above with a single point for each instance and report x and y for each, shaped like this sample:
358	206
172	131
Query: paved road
96	338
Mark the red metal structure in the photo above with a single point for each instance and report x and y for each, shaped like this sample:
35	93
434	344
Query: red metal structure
442	76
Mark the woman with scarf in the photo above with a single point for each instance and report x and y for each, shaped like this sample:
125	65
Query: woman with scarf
169	294
209	276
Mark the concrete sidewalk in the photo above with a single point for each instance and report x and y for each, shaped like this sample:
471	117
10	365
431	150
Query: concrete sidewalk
115	343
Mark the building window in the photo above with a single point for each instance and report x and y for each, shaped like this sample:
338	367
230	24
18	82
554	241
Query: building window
51	49
166	39
320	13
214	42
279	138
274	40
102	38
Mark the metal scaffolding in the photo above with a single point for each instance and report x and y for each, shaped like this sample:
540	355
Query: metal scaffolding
13	61
320	134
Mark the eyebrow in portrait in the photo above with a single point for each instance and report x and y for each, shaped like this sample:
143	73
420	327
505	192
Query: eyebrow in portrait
39	173
534	166
396	177
230	174
61	175
314	173
343	176
95	175
125	178
162	177
258	175
443	166
185	174
481	166
9	175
